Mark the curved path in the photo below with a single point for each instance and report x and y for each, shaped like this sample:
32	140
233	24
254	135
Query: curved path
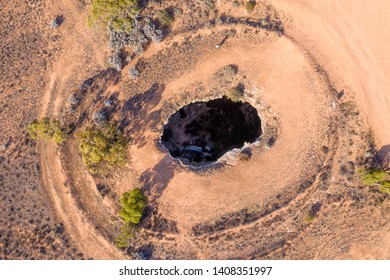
80	43
351	40
346	35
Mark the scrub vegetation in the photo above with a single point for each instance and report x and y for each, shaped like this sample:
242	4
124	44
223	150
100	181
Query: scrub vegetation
47	129
116	14
133	206
102	148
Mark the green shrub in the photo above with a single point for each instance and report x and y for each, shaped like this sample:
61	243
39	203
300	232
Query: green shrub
165	18
250	5
102	148
373	176
118	14
47	129
234	94
133	205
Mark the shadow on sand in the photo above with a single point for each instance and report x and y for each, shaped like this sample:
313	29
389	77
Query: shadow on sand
156	179
383	157
137	117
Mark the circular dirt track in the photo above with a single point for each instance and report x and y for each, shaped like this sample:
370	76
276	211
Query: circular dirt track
302	163
292	99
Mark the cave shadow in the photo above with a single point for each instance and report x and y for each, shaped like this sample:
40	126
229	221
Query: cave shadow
136	116
156	179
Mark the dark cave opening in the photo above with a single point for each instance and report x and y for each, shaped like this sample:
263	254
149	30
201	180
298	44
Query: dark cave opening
202	132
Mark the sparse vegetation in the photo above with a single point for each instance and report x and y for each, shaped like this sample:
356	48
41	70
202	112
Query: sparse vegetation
108	103
47	129
115	14
127	232
139	50
377	177
56	22
99	117
118	17
152	32
373	176
234	94
230	70
134	37
133	206
116	62
250	5
385	187
310	218
133	72
103	148
165	18
226	74
73	100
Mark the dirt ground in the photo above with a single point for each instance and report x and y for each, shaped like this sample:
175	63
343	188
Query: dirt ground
315	72
348	38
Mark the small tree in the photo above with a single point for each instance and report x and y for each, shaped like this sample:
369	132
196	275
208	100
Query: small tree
47	129
116	14
59	135
133	206
127	232
103	148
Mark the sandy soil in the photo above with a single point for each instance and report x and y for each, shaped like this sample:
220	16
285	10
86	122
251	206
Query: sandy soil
349	38
81	47
302	117
29	227
298	133
261	208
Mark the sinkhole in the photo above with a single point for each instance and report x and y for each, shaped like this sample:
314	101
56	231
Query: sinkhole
201	132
